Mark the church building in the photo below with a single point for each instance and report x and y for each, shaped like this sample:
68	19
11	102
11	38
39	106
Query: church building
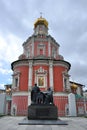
39	63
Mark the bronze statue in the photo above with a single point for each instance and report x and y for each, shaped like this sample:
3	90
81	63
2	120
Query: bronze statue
38	97
49	96
34	93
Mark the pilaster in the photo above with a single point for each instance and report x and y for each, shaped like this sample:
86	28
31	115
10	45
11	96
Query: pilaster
33	47
30	76
51	75
49	52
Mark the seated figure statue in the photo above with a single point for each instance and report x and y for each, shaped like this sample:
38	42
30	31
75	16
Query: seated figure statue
49	96
38	97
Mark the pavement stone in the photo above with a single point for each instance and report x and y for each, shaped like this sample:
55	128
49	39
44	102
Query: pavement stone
12	123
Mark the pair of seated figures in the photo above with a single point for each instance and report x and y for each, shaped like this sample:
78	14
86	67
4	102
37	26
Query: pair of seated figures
38	97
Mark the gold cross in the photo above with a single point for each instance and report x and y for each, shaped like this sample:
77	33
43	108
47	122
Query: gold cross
41	14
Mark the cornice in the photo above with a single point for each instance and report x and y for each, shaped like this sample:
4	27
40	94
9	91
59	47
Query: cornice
62	63
29	39
19	63
41	61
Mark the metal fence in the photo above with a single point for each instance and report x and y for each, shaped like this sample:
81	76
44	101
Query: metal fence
81	106
63	107
62	103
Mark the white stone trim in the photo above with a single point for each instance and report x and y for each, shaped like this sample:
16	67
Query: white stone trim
16	75
66	76
51	75
72	105
60	94
32	47
30	76
42	63
41	73
49	51
20	63
20	94
62	63
29	98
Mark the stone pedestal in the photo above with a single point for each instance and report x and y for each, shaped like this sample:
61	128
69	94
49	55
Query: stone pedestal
42	112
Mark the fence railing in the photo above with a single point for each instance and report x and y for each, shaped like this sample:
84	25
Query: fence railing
81	106
62	103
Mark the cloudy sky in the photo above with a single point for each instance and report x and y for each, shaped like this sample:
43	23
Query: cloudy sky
67	24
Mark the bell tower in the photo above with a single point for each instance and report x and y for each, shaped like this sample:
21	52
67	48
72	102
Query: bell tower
41	26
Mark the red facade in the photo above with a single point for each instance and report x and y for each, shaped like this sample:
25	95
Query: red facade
40	63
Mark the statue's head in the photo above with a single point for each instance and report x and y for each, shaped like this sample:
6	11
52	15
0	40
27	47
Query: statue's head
49	89
35	84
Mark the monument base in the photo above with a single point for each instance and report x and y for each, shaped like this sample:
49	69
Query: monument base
42	112
25	121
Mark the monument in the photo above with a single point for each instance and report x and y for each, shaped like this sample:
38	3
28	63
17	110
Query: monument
42	108
42	105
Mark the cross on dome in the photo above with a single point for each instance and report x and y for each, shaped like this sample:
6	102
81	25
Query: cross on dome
41	14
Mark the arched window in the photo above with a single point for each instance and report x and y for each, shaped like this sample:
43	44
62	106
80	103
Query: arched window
41	49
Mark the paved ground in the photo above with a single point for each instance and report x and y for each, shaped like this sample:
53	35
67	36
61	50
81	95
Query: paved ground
74	123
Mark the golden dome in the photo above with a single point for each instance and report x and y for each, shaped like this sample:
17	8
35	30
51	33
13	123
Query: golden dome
74	86
41	21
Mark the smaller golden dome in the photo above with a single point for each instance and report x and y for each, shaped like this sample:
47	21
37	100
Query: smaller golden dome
41	21
8	90
74	86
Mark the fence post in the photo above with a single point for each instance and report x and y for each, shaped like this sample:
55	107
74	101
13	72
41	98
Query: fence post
72	104
29	98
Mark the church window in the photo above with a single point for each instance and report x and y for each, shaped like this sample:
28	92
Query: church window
41	49
28	54
16	82
54	52
65	83
16	77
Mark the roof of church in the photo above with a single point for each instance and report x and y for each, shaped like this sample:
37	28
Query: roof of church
41	21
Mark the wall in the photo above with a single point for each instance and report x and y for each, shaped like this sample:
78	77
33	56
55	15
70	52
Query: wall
19	105
2	103
58	78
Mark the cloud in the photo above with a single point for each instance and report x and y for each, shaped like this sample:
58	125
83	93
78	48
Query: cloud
2	86
5	71
10	48
67	24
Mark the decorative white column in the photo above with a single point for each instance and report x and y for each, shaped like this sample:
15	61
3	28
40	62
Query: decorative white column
30	83
32	47
30	76
72	104
49	53
29	98
51	75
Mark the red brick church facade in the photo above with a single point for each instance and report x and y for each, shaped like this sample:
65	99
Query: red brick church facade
40	63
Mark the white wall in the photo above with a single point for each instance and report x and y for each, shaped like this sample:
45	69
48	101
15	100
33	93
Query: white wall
2	103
